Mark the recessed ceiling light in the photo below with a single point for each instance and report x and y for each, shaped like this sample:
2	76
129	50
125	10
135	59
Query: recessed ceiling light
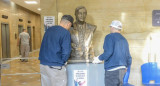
39	9
30	2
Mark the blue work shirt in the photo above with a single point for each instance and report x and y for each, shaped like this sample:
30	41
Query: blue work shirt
56	46
116	51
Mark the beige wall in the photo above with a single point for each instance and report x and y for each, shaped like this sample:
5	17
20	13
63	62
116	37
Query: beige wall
136	16
48	9
14	13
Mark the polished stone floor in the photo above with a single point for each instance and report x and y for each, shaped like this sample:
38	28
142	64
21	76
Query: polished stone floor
21	73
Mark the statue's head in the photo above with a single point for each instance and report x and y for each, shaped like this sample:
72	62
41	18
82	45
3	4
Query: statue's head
80	13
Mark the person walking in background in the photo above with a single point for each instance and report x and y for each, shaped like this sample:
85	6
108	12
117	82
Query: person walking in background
23	40
116	56
54	53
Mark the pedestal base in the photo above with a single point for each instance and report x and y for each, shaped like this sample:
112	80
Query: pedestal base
95	73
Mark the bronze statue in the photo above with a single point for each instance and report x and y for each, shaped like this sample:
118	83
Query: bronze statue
81	35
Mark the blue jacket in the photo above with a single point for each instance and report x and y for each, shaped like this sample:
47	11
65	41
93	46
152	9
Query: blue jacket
56	46
116	51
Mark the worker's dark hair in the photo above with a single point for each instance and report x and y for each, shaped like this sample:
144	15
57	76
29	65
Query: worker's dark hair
68	18
24	29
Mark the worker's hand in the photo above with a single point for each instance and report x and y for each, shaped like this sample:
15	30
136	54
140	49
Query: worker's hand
96	60
66	63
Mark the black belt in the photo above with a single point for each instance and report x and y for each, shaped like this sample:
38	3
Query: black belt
56	67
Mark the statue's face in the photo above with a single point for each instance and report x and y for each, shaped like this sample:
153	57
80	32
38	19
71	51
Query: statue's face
81	15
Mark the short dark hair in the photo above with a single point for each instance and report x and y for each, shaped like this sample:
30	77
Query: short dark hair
24	29
68	17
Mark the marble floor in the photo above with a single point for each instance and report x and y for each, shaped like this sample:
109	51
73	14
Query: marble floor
21	73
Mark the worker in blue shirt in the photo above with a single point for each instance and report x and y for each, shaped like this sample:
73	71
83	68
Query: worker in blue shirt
116	56
54	53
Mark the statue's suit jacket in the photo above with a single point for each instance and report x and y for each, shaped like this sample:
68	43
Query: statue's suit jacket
84	50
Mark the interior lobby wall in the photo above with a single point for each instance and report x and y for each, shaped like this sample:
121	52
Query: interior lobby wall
14	13
136	17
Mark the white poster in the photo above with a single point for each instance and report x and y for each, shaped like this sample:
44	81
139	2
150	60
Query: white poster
49	21
80	77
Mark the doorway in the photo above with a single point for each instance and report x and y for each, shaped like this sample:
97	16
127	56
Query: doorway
30	41
20	29
5	40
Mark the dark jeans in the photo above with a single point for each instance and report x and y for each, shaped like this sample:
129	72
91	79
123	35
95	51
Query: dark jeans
114	78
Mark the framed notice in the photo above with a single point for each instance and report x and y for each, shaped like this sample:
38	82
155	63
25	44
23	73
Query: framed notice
156	18
49	21
80	77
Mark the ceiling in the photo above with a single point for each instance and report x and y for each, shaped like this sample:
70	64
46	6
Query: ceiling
32	7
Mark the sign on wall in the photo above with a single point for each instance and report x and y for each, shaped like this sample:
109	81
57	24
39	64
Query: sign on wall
80	77
156	18
49	21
